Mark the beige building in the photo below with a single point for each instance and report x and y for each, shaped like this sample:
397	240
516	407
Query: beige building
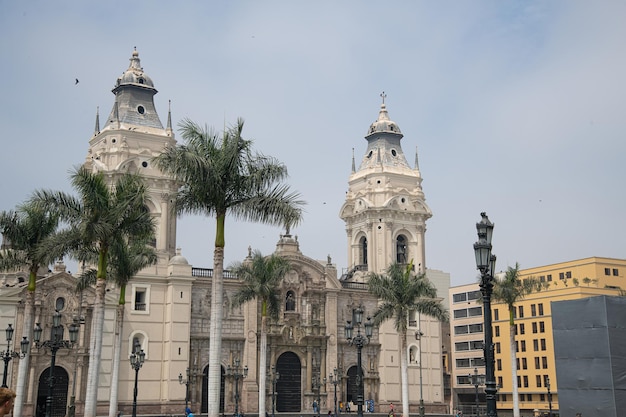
168	305
535	362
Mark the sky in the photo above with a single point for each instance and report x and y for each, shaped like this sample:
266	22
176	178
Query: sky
517	108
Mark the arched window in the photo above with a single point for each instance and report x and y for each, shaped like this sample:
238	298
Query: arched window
401	249
363	246
290	301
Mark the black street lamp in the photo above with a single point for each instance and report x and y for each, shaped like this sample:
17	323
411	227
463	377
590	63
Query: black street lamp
418	336
275	376
236	373
187	382
359	341
477	380
137	358
486	264
549	396
335	380
9	354
55	343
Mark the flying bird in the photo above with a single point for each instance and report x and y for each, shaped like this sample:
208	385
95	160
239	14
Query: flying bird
76	81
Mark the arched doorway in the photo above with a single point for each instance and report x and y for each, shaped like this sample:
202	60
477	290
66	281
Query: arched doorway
59	392
289	387
204	408
351	386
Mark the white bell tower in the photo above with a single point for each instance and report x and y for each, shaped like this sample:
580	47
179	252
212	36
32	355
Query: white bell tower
385	209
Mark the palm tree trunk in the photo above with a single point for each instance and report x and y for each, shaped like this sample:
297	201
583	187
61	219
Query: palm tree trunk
115	372
404	372
262	367
91	394
22	370
215	336
513	365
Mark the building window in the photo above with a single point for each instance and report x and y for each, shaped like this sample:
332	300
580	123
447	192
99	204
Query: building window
538	377
523	346
544	362
501	385
542	327
463	363
290	301
542	278
475	311
473	295
497	328
607	271
521	312
496	315
476	344
522	328
524	363
536	345
498	348
461	346
476	328
499	364
459	298
561	275
141	298
542	397
517	363
478	362
534	327
401	249
529	396
549	277
526	382
533	310
519	382
543	344
540	305
459	314
363	246
461	330
516	346
568	274
537	363
615	272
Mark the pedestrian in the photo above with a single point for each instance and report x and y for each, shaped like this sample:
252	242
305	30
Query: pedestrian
188	412
7	399
348	407
314	407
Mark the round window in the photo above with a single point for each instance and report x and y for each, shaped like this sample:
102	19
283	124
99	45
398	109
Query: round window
393	152
144	164
60	304
141	110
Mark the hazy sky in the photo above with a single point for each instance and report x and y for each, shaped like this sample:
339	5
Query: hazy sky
517	108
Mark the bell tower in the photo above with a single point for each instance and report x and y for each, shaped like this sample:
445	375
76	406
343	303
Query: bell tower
385	210
131	136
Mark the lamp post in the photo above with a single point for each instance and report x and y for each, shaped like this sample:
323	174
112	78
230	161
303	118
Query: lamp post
275	376
187	382
418	336
137	358
486	263
476	381
549	396
9	354
236	373
55	343
317	388
359	341
335	379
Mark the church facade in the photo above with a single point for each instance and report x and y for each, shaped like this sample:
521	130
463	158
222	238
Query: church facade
167	310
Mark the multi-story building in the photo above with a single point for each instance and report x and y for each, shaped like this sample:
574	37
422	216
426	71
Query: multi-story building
534	343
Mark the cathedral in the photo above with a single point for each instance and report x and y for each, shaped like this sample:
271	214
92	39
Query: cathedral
167	311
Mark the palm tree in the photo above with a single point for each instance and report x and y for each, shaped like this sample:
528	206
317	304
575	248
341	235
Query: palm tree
509	290
24	231
261	277
100	218
400	292
220	176
127	259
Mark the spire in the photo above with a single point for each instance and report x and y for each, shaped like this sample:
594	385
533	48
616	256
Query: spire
353	164
169	116
97	128
417	164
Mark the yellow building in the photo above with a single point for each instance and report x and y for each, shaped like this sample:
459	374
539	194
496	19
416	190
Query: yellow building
535	361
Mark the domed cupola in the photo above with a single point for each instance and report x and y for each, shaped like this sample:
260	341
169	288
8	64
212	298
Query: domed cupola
134	100
134	74
383	143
